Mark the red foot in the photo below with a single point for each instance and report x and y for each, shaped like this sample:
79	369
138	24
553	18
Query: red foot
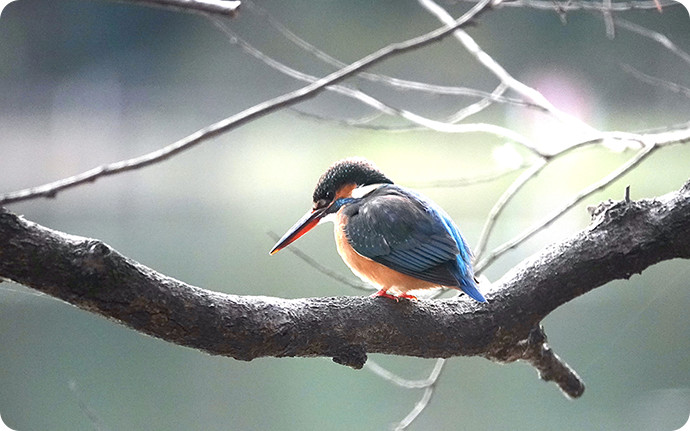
385	294
408	296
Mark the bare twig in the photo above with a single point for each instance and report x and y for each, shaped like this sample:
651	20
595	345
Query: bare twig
417	409
608	19
657	37
531	173
657	138
494	67
574	5
624	168
365	122
406	383
652	141
478	106
652	80
323	269
237	120
463	182
424	122
396	83
503	201
213	7
429	388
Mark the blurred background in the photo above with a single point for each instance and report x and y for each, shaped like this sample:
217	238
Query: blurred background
84	83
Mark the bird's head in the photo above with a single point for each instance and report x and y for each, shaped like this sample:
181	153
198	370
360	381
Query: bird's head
342	182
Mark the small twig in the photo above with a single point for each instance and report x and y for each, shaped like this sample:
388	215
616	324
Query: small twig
430	386
608	19
406	383
416	410
321	268
213	7
503	201
627	194
464	182
574	5
652	80
478	106
659	138
396	83
509	245
549	365
494	67
424	122
655	36
237	120
528	175
91	415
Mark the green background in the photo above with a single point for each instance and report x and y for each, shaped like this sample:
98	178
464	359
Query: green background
85	83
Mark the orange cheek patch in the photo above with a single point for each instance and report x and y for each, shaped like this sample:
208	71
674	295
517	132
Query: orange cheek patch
345	191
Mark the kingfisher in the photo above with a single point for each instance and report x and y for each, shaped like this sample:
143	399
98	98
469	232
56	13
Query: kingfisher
388	235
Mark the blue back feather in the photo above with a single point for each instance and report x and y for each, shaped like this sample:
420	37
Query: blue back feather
410	234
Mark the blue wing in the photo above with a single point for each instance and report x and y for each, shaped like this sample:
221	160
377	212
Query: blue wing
410	234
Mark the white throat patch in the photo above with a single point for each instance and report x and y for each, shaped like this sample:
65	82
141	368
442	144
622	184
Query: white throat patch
362	191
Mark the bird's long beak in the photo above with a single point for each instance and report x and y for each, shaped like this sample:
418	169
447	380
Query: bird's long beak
304	225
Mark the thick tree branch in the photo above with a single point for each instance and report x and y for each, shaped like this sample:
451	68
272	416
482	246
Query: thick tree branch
623	239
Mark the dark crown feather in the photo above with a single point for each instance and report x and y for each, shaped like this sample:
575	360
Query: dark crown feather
354	170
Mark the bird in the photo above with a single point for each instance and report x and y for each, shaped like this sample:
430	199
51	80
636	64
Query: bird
388	235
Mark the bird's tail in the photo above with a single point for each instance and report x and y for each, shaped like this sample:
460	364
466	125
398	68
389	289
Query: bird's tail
466	281
468	285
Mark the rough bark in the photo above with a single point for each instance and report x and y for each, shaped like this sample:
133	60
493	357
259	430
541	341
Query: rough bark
624	238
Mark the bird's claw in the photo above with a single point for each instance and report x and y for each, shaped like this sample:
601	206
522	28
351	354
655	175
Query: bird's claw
384	293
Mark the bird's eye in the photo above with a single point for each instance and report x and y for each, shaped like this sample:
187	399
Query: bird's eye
321	203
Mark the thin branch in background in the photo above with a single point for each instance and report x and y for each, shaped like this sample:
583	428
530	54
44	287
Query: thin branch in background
417	409
608	19
478	106
428	384
531	173
494	67
670	136
206	7
396	83
463	182
658	82
367	119
650	141
323	269
91	415
621	170
424	122
575	5
365	122
503	201
406	383
655	36
259	110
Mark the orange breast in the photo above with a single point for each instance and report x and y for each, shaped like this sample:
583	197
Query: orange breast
371	271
